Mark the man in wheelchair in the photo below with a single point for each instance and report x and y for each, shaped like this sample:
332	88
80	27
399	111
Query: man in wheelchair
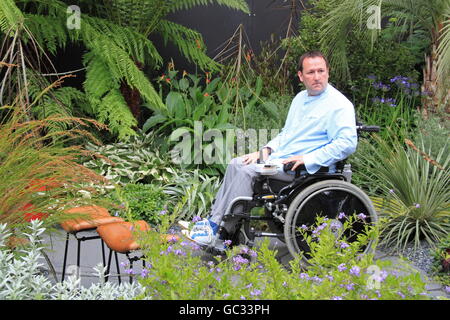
320	132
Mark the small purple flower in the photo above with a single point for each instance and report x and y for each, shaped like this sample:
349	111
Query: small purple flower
341	215
344	245
226	295
252	253
249	286
304	227
173	239
350	286
401	294
227	243
239	260
256	292
447	289
355	270
129	271
391	191
336	298
285	284
362	216
179	252
144	273
329	277
196	219
417	205
304	276
342	267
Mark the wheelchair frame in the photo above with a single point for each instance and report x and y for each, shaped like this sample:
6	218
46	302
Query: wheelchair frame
276	197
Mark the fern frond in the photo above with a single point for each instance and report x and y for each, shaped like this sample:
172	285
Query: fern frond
49	32
113	109
232	4
10	16
134	43
189	42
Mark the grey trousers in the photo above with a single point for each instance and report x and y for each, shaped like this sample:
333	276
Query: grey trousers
237	182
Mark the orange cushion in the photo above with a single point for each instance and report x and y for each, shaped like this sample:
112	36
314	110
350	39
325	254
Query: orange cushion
92	217
119	236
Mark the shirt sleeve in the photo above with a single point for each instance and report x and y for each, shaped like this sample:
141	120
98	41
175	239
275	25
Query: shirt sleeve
341	131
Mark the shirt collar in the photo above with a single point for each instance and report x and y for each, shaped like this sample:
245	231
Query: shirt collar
309	98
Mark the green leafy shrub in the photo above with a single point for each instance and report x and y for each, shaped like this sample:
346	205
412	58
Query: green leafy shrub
20	278
391	105
178	272
433	130
40	173
413	195
441	260
194	193
141	202
385	59
137	160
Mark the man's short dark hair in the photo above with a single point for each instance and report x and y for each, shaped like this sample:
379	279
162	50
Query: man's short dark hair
311	54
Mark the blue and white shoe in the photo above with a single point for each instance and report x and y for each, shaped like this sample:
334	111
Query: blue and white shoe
203	232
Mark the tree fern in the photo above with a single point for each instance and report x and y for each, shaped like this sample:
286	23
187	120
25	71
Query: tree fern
10	16
113	108
188	4
49	32
189	42
117	44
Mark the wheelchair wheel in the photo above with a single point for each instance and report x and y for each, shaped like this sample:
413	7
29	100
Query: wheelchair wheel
327	198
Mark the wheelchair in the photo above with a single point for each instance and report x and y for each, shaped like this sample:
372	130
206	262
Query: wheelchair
288	206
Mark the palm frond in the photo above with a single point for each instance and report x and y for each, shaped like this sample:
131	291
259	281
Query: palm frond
443	50
348	16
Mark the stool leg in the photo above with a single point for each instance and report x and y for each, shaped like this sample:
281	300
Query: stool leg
103	251
117	267
78	257
109	265
131	274
65	258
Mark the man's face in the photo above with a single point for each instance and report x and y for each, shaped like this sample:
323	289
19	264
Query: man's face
315	75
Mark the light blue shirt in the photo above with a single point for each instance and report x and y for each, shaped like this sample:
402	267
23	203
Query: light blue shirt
322	128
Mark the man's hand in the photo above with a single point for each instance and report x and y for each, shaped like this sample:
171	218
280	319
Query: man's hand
253	157
297	159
